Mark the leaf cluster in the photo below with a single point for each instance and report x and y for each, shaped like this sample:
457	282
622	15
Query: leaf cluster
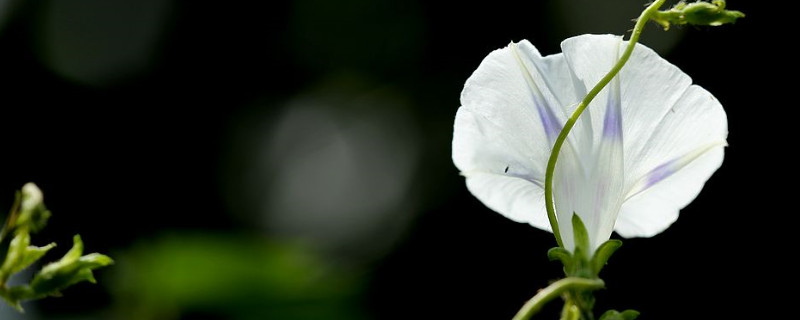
28	215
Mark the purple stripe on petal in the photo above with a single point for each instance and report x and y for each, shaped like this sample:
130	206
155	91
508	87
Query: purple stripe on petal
667	169
612	123
660	173
551	126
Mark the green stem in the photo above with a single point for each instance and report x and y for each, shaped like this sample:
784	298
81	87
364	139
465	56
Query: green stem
554	290
562	136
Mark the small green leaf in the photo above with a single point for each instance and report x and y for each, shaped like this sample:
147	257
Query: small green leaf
616	315
629	314
71	269
610	315
603	253
21	255
580	234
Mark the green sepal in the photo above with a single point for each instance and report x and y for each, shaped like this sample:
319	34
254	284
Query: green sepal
71	269
580	234
581	266
559	254
603	253
616	315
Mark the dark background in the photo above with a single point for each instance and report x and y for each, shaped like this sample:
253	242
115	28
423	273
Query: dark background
146	124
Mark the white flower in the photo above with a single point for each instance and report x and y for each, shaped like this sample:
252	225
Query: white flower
640	152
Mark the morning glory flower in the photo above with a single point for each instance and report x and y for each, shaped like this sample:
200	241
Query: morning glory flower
641	151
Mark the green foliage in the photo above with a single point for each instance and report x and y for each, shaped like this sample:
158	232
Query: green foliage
21	254
232	277
28	214
697	13
616	315
71	269
579	263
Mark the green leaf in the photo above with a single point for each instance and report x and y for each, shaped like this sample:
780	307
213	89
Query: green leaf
21	255
616	315
603	253
71	269
253	278
580	234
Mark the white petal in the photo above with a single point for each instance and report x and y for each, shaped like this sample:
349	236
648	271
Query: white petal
590	57
654	210
649	86
516	198
481	146
608	176
674	163
504	130
570	184
597	195
664	119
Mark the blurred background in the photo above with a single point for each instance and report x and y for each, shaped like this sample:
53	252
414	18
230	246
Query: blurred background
291	160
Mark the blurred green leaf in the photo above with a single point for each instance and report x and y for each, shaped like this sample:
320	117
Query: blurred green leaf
234	278
616	315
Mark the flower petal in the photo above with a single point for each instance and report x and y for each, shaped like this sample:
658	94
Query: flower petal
597	195
570	188
685	149
516	198
649	87
668	125
608	176
655	209
504	130
481	146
